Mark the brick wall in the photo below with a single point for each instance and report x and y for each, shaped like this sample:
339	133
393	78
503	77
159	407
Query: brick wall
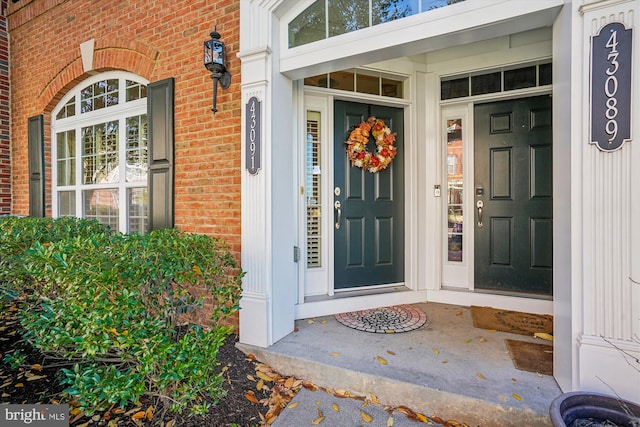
5	157
155	39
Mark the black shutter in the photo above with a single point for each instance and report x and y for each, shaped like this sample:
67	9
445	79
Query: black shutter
161	162
36	166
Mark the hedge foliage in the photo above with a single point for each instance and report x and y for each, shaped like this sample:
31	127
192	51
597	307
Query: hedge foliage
113	306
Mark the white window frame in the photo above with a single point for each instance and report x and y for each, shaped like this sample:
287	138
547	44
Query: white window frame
118	112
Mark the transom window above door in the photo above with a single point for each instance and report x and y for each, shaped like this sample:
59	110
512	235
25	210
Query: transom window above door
329	18
100	154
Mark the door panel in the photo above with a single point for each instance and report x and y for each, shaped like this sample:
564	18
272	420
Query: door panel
513	181
369	243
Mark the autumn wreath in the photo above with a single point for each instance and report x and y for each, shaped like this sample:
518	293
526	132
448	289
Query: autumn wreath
385	148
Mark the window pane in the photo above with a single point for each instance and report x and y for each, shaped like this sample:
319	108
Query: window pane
137	160
317	81
486	83
100	153
99	95
138	201
135	91
347	15
68	110
454	189
435	4
545	75
309	26
67	203
343	80
102	205
367	84
520	78
66	147
313	190
385	10
457	88
392	88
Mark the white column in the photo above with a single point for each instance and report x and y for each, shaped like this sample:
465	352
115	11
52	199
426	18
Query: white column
610	229
268	197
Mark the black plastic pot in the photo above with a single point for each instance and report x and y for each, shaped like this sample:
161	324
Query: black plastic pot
568	407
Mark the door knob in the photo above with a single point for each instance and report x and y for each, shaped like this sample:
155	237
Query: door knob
479	206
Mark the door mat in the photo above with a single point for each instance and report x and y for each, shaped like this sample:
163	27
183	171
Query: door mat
384	320
530	356
515	322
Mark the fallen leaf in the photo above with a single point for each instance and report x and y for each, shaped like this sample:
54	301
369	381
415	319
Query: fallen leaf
458	313
19	385
251	397
334	354
468	341
317	421
264	376
289	382
390	422
436	351
391	352
335	407
293	405
445	361
517	397
309	386
138	415
366	417
5	395
36	377
421	417
311	321
324	322
483	340
171	423
479	375
544	336
251	378
36	367
381	360
149	413
259	385
513	379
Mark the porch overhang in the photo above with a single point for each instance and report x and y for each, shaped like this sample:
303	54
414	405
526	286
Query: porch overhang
421	33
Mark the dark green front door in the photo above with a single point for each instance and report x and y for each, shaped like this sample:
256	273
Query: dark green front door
513	196
369	221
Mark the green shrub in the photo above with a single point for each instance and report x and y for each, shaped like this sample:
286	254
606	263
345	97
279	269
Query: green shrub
18	234
113	306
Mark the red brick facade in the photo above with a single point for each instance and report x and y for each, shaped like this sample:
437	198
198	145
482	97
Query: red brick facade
155	39
5	157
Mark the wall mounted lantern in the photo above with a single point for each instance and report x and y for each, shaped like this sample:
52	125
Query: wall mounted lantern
214	61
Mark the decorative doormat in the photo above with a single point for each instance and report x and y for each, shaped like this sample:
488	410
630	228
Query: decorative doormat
511	321
530	356
384	320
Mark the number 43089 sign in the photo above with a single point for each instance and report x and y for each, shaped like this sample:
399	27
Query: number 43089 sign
611	87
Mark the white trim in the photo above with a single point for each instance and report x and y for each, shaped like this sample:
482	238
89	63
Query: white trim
469	298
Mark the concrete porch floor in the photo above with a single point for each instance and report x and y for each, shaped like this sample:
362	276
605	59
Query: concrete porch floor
446	368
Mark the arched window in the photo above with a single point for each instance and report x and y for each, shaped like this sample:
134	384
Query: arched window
100	152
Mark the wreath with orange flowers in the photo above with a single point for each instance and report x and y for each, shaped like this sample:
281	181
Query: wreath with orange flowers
357	145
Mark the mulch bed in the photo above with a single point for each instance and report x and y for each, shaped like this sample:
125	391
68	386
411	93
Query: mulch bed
37	381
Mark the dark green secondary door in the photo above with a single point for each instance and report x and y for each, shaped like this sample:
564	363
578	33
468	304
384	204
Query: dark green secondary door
369	220
513	196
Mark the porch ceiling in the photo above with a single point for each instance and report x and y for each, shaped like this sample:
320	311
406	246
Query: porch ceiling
418	34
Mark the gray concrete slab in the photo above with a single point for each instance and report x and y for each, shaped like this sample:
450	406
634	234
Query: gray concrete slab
447	368
303	410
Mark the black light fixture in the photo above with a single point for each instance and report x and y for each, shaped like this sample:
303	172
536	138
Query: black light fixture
214	61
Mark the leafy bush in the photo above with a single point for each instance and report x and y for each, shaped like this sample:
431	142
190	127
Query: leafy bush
18	234
116	307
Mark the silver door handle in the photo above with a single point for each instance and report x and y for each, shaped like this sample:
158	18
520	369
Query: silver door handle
480	205
337	205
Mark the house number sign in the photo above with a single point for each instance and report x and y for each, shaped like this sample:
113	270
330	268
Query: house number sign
252	126
611	86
